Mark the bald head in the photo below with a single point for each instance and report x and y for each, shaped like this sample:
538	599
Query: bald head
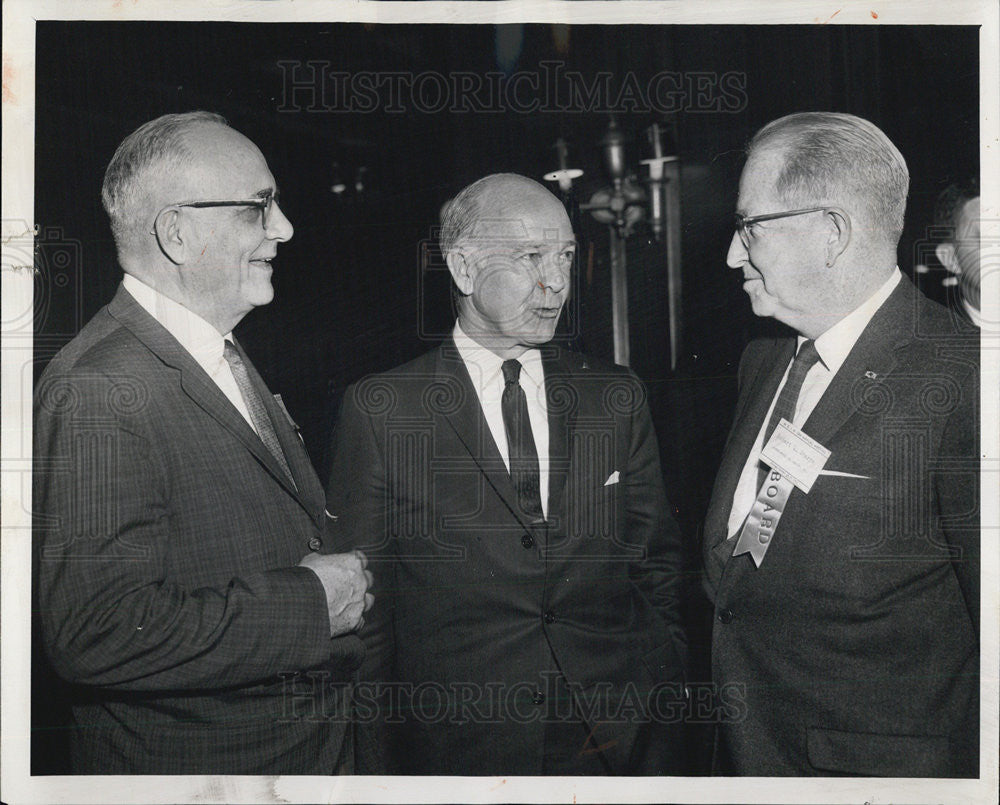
499	197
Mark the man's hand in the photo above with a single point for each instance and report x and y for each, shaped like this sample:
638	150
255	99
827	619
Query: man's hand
346	580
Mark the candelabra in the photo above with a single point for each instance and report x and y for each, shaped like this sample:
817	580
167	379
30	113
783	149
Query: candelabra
624	203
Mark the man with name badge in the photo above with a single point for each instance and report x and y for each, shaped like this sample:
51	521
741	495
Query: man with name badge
842	537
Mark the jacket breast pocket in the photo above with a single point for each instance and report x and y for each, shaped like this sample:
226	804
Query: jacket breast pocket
873	755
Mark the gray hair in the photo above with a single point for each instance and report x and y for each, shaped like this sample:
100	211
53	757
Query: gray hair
461	215
155	148
830	154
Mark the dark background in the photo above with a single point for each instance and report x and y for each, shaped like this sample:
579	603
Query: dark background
358	288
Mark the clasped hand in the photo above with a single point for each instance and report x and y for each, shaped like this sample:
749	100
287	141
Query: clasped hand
346	579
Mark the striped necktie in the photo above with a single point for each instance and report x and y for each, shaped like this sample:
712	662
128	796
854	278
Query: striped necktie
255	405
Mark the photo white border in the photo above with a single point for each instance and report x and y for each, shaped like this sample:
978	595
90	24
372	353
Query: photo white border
16	286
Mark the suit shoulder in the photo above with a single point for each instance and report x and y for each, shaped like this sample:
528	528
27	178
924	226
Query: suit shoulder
394	390
105	371
762	347
758	351
940	324
598	386
420	367
581	364
942	339
102	346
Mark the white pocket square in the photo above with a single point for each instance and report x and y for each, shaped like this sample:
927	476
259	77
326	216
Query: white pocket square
612	479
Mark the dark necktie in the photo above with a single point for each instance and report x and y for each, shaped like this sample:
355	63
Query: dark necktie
784	408
520	443
255	405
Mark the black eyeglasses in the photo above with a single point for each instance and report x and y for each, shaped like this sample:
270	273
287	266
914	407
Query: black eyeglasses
743	222
264	203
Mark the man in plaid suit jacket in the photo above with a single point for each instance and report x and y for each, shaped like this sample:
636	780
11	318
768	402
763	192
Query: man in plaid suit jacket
182	583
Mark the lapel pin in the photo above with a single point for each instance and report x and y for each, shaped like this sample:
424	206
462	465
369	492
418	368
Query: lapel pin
870	375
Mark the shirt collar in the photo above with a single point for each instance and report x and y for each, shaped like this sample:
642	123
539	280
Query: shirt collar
195	334
485	366
836	343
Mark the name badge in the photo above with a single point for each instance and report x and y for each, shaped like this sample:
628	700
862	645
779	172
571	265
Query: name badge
755	538
795	455
796	461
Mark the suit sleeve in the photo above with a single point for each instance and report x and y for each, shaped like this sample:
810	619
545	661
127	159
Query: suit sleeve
659	574
108	616
357	494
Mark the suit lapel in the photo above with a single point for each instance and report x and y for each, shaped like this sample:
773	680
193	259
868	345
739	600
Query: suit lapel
874	353
754	402
200	388
307	485
471	428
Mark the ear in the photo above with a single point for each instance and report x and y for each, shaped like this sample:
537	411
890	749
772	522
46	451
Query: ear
840	235
167	228
461	271
946	254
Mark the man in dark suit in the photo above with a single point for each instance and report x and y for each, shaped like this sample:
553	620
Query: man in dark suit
842	545
528	615
182	587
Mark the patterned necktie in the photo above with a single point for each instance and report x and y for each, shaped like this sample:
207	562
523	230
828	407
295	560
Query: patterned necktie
255	405
784	408
520	443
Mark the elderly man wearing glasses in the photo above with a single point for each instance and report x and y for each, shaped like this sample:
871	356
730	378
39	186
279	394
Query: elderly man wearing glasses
184	582
842	538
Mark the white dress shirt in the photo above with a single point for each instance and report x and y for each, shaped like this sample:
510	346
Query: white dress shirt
833	347
487	379
197	336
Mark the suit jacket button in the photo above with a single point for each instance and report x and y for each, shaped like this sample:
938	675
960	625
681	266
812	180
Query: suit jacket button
528	541
315	544
726	616
548	617
538	698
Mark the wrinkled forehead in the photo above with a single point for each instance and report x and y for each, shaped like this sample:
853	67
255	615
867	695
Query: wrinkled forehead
514	230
